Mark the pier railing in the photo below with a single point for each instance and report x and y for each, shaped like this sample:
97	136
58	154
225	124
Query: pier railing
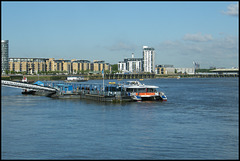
27	86
89	88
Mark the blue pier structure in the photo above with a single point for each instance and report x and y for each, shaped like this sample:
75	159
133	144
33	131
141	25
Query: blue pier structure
60	89
75	87
92	91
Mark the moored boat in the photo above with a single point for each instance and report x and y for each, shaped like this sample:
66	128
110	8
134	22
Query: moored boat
76	79
28	91
141	92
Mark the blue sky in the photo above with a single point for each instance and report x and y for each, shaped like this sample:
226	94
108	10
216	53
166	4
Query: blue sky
180	32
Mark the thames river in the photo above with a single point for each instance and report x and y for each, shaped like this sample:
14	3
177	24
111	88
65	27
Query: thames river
200	120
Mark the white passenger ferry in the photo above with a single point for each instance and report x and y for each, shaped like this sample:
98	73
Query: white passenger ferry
140	92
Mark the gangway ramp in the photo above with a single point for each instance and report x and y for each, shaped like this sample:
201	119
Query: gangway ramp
27	86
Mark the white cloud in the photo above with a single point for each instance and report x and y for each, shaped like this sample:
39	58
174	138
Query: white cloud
197	37
221	51
232	10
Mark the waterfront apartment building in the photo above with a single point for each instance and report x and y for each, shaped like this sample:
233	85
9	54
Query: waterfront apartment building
97	65
185	70
122	67
84	65
133	65
62	65
137	65
5	55
36	65
80	65
164	69
148	59
28	65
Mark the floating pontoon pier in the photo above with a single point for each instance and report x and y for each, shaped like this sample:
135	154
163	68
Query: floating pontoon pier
90	91
111	92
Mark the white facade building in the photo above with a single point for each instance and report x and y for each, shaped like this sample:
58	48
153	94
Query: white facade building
137	65
148	59
133	65
185	70
5	55
122	66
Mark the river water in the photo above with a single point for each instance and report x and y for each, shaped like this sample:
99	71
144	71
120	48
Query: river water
200	120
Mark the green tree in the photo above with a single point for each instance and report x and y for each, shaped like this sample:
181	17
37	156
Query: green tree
114	68
204	70
7	72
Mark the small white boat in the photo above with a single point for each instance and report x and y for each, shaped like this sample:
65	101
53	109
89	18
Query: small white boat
24	80
28	91
136	98
76	79
163	96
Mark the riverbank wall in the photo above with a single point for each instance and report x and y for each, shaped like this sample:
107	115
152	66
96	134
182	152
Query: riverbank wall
34	78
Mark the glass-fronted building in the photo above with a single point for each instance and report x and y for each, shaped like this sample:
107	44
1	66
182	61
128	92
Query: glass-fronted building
5	55
148	59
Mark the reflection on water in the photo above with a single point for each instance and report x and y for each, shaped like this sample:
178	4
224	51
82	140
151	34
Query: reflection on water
197	122
19	100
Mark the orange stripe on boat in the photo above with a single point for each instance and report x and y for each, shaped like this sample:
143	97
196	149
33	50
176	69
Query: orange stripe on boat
145	94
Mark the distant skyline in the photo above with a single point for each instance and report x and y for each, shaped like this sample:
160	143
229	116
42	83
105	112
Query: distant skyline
180	32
